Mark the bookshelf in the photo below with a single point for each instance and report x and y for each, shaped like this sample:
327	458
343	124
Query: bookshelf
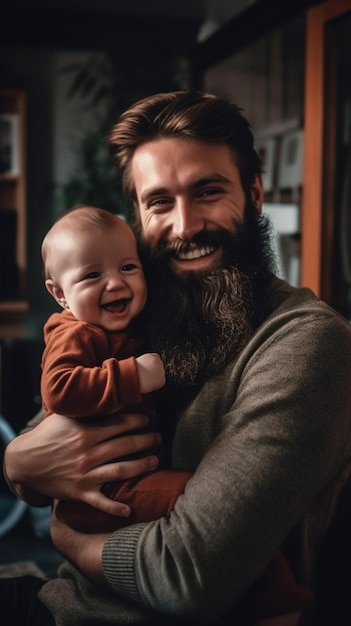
13	303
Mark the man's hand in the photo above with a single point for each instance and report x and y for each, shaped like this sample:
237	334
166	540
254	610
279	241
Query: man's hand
69	460
85	551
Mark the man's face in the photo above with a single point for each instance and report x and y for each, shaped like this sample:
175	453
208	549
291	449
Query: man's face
188	191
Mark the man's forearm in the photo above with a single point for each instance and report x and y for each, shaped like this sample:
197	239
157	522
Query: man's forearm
21	490
84	550
11	468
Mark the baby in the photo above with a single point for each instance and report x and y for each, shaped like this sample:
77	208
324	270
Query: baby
92	364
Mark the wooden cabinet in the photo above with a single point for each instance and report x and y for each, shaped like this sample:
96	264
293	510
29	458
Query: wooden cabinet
326	215
13	303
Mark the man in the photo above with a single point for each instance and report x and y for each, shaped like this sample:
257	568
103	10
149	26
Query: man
258	401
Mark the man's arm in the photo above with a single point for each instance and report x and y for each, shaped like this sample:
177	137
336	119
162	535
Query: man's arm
66	460
85	550
282	451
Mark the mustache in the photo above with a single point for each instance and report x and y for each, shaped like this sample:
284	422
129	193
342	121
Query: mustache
172	247
201	239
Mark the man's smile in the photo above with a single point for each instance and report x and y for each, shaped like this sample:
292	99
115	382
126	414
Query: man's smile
195	253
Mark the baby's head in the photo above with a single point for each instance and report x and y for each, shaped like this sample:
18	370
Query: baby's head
92	267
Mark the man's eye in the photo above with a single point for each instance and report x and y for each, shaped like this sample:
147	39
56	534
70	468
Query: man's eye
210	192
160	204
159	201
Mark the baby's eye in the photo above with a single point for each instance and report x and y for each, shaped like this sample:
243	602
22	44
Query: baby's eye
128	267
92	275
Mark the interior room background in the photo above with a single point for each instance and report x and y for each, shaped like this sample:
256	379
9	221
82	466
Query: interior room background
79	64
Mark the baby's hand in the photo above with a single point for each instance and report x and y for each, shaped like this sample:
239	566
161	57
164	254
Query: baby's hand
151	372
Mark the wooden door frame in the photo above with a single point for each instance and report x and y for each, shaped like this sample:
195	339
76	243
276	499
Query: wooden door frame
319	164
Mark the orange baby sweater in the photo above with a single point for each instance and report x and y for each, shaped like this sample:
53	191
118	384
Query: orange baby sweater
87	371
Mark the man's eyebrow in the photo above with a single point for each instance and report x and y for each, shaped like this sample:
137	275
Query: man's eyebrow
152	193
197	184
210	179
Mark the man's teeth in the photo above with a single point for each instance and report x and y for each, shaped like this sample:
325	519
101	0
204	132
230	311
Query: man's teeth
195	254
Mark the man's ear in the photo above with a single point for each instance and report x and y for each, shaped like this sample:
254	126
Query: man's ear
257	193
137	218
56	293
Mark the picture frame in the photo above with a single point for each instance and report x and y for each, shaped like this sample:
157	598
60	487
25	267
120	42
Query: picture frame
9	144
290	170
266	150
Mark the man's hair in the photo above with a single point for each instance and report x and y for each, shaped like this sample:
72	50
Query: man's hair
187	115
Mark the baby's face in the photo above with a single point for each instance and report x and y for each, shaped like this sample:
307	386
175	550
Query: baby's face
102	278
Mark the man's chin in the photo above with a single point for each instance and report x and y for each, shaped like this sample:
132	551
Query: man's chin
202	265
197	321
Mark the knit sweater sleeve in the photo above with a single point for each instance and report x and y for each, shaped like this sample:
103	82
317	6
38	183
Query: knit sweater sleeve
272	440
80	375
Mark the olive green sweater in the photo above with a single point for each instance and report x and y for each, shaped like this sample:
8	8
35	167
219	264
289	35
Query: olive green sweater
270	440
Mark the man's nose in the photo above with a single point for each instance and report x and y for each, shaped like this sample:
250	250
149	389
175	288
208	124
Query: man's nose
187	220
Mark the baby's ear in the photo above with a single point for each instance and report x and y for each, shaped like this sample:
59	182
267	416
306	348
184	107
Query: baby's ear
56	293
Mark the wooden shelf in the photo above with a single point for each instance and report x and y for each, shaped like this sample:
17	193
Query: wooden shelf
12	318
13	306
13	213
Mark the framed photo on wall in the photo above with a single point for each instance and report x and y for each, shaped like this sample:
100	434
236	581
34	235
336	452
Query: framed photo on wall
9	144
290	172
266	150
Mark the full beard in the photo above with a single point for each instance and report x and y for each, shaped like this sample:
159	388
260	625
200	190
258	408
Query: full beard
199	322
